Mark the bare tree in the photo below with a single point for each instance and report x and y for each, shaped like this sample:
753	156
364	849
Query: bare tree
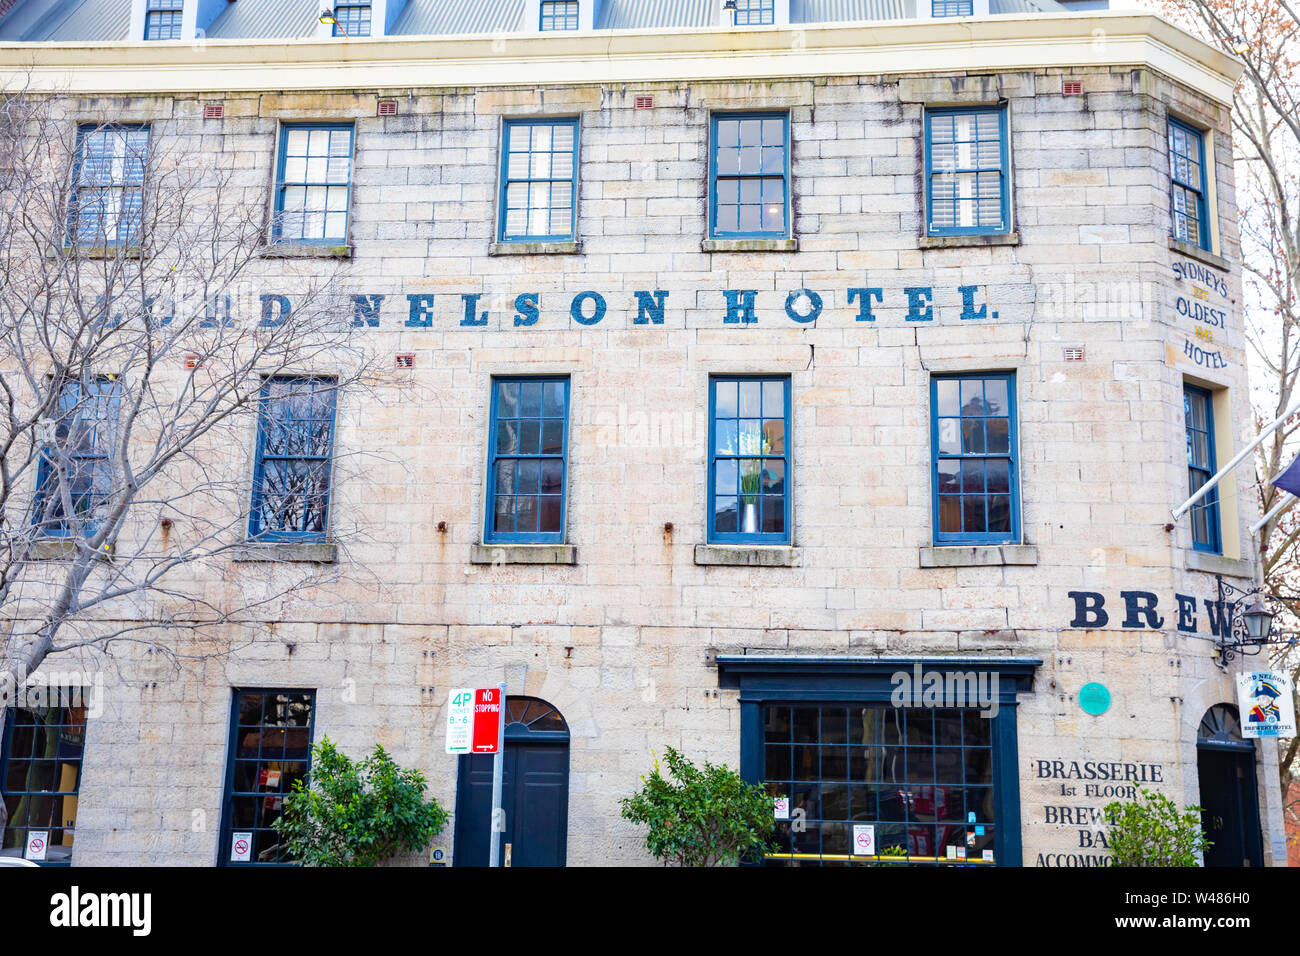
135	355
1265	34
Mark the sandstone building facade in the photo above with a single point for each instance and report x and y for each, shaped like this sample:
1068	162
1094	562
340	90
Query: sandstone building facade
744	367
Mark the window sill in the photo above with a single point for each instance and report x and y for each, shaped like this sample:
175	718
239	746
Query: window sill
59	549
748	556
534	248
94	252
749	245
978	556
523	554
285	250
962	242
312	552
1218	564
1199	254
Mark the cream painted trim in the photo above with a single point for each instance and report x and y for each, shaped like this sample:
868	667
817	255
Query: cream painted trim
1002	43
1212	191
1229	509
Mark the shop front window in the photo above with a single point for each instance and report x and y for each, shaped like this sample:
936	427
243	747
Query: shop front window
271	737
40	777
884	761
921	779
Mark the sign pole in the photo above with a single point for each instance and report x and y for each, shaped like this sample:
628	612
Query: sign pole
498	774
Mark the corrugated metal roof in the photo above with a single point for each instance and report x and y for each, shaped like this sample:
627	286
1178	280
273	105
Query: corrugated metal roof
1026	6
78	20
833	11
68	20
435	17
646	14
20	18
254	19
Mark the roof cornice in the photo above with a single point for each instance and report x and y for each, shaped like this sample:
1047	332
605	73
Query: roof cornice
995	44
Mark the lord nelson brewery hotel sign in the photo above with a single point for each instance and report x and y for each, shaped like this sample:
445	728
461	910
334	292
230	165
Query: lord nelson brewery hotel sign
945	311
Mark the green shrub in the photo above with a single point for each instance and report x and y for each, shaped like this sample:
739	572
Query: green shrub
1152	832
701	817
357	814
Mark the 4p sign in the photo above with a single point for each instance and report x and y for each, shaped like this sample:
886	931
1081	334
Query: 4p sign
474	721
460	721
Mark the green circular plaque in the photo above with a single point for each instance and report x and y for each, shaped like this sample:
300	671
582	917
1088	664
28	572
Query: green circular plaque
1094	699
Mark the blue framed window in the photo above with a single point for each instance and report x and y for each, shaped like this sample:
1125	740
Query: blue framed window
528	455
269	749
539	174
162	20
74	475
973	438
295	447
352	20
749	175
952	8
1187	184
107	202
40	777
1198	409
754	12
749	459
966	160
313	183
939	784
559	15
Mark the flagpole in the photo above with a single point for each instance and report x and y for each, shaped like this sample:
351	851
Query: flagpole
1206	488
1287	501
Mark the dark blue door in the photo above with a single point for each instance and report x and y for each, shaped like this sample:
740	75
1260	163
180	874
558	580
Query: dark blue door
1229	796
534	791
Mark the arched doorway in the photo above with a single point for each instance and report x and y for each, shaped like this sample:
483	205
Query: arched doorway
534	791
1225	764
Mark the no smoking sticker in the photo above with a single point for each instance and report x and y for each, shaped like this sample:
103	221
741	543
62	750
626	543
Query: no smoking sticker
241	848
38	841
864	839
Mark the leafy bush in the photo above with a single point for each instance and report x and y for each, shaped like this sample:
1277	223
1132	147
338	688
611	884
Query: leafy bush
1152	832
357	814
707	817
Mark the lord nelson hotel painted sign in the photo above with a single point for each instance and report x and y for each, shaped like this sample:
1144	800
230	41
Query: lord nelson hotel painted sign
1200	307
420	310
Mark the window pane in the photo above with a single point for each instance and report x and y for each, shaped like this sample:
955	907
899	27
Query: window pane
726	476
725	514
965	170
531	418
550	513
295	445
950	436
316	166
973	489
539	175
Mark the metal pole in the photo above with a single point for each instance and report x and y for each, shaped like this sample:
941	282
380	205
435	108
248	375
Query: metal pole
1206	488
1287	501
498	774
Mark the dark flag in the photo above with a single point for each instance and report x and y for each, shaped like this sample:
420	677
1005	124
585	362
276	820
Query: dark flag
1289	480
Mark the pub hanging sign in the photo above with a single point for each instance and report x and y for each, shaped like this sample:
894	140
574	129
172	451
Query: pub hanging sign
1266	704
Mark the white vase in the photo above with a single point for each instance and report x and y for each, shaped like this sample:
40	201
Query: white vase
749	518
